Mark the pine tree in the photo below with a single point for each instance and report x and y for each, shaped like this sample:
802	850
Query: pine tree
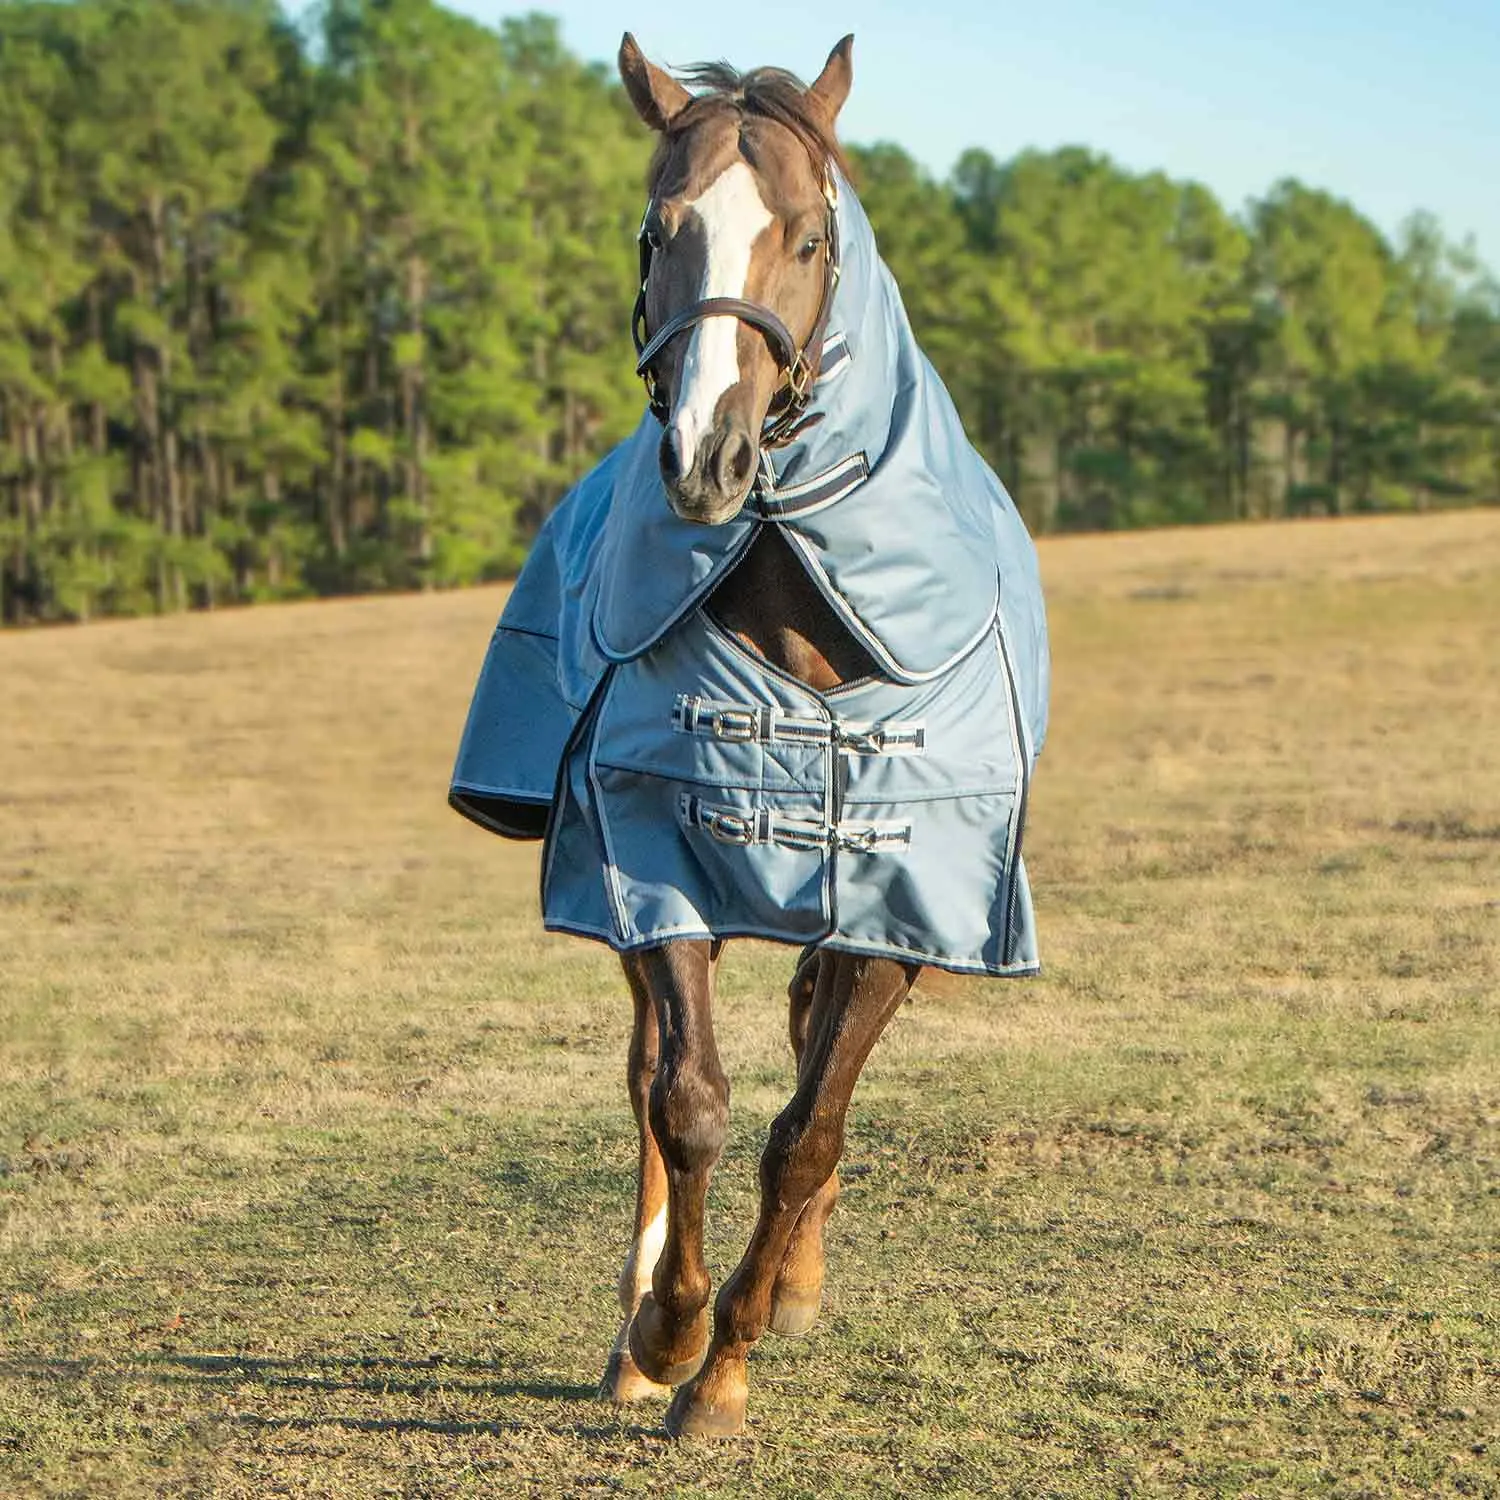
287	311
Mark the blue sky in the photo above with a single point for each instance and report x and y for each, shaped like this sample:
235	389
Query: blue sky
1392	104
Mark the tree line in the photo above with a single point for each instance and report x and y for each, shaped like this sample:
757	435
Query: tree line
294	308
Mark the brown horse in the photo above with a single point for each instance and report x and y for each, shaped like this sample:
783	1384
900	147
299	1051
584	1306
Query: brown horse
737	255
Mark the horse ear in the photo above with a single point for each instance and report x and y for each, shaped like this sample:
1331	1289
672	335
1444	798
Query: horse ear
657	96
837	78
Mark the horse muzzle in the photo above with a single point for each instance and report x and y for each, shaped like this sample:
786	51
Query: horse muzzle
709	485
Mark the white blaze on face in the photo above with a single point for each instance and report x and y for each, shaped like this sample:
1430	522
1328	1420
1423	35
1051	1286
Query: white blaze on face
732	214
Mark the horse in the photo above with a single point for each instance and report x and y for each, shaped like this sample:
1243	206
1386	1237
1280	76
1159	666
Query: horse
777	667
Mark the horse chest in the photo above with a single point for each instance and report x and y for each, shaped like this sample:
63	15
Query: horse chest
770	604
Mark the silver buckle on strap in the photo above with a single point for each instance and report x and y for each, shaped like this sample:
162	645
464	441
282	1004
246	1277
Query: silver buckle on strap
727	826
892	738
724	721
735	724
871	838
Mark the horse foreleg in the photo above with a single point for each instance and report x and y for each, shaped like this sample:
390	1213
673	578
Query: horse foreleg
797	1295
853	1000
623	1380
688	1115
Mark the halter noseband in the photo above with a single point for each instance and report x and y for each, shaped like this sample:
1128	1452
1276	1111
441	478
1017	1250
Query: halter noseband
799	367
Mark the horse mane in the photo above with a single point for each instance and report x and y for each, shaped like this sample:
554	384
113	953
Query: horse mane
764	93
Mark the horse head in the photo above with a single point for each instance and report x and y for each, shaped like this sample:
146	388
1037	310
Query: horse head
739	260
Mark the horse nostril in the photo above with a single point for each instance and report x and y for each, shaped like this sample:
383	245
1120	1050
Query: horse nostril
735	461
670	458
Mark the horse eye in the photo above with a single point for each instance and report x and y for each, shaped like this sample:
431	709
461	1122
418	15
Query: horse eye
809	248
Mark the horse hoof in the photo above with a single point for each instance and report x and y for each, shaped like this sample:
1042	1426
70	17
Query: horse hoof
661	1358
795	1309
624	1384
693	1414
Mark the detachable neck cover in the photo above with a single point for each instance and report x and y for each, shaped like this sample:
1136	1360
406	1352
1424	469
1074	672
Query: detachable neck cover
885	502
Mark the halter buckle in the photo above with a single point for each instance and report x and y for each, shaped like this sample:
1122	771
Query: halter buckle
799	376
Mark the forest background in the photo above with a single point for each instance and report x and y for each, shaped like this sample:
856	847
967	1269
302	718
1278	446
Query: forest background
338	303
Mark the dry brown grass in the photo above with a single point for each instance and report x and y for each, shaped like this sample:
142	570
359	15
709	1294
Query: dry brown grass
315	1156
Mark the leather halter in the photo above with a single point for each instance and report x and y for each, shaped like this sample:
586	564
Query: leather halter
799	367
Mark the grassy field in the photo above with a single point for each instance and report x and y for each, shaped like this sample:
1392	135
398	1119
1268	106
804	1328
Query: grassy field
315	1156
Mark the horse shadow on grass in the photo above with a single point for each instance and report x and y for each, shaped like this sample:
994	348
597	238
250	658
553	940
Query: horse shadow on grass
351	1375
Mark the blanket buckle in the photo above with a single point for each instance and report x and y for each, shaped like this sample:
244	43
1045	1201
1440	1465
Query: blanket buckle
728	827
735	724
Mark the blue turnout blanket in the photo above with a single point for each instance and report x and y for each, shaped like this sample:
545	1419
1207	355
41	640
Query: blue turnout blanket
685	788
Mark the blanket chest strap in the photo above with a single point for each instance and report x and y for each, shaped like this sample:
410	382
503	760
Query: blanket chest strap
767	724
763	825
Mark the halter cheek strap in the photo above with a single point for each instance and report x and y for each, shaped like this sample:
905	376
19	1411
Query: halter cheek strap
799	367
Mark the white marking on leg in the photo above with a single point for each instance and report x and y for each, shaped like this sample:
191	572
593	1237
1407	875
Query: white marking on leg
733	214
641	1262
635	1282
